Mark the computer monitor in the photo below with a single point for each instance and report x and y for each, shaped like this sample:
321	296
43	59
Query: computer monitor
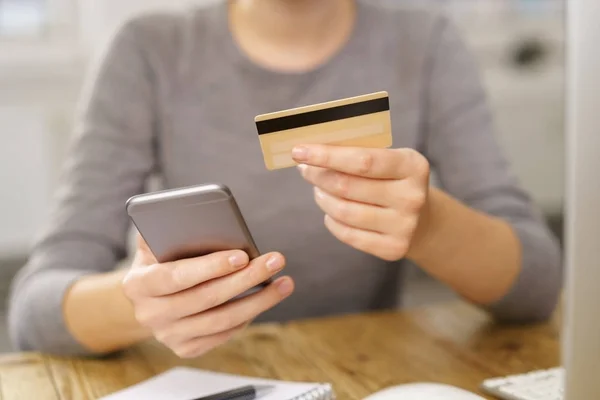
581	338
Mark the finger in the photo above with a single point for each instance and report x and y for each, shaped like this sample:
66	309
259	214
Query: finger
211	294
383	246
357	215
201	345
168	278
361	161
235	313
355	188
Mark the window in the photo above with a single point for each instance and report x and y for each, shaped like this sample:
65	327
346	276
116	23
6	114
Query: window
23	17
37	38
37	18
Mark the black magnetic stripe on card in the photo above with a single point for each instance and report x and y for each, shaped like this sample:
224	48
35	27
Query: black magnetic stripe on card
323	116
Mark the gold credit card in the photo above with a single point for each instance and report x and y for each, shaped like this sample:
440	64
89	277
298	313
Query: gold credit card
361	121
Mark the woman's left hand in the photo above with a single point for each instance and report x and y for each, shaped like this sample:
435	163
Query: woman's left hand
374	199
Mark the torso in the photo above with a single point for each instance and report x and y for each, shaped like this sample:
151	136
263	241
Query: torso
209	94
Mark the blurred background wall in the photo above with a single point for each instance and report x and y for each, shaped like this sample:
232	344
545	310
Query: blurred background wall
46	46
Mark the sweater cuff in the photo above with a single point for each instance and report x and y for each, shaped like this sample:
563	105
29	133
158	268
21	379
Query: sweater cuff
534	295
36	316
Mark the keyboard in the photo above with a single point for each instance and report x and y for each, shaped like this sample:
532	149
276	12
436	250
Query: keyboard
536	385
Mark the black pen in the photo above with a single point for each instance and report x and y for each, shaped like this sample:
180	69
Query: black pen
241	393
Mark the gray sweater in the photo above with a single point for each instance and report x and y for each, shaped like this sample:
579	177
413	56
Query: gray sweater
174	97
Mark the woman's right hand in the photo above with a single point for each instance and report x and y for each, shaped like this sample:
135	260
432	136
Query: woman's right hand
185	304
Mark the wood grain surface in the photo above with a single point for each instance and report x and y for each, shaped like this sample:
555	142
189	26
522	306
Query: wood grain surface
452	343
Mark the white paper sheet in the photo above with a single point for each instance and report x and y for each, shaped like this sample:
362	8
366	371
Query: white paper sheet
188	383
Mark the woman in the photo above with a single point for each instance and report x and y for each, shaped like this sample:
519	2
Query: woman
176	95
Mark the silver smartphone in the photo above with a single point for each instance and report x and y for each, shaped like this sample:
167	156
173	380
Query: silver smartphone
191	222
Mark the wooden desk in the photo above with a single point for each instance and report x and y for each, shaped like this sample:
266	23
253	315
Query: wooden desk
448	343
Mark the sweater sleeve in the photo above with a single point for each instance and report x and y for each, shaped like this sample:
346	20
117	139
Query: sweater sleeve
471	166
111	156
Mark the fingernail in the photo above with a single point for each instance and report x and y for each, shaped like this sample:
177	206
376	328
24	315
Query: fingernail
319	193
302	168
275	264
300	153
238	260
285	287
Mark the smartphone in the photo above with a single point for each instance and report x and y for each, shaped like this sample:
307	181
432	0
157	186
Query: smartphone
190	222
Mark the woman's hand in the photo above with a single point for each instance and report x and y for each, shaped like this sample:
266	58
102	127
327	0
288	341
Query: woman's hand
185	304
374	199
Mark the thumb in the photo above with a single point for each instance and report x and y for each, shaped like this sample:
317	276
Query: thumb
143	255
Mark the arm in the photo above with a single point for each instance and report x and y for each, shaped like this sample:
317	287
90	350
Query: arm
483	236
453	242
99	316
67	299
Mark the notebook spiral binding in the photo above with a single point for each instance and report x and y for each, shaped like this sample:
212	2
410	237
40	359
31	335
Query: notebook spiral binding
323	392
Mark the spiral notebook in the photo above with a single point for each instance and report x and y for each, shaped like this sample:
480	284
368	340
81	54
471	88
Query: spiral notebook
183	383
